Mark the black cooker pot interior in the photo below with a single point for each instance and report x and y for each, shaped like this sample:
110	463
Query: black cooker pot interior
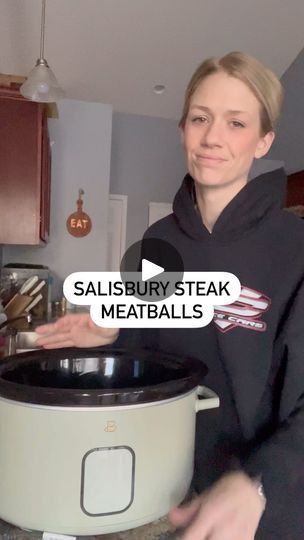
97	376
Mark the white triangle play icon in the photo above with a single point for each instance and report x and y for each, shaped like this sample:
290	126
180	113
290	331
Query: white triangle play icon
149	269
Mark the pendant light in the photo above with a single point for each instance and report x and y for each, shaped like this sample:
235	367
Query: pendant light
41	84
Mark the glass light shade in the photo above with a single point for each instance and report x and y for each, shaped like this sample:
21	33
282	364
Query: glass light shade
41	84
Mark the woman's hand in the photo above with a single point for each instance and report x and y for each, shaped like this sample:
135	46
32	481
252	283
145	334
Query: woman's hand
75	330
230	510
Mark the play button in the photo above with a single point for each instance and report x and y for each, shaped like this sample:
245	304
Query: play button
150	270
155	266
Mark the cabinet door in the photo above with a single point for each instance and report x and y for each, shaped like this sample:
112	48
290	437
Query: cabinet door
21	169
45	183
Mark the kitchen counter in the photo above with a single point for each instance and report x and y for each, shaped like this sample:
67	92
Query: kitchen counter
158	530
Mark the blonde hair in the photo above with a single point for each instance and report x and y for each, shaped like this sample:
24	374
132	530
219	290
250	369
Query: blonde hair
260	80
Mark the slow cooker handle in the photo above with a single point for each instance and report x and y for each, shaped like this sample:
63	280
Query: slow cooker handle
206	399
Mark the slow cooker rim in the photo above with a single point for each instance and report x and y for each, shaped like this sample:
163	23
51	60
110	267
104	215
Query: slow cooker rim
71	398
94	397
106	391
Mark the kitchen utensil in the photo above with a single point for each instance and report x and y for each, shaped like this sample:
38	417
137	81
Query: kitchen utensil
9	322
17	305
37	288
21	273
103	438
10	342
33	302
28	284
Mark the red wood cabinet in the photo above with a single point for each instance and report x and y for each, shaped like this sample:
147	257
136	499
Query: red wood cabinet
25	170
295	189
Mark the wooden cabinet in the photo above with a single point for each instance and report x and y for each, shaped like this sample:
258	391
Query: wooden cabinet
25	170
295	189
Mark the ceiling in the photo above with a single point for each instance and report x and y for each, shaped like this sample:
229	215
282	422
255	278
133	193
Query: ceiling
116	51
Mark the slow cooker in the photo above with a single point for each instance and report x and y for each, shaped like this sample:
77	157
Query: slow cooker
95	441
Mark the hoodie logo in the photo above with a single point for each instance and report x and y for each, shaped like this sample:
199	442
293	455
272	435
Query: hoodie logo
245	312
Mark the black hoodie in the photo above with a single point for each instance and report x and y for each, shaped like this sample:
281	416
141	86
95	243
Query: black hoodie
254	348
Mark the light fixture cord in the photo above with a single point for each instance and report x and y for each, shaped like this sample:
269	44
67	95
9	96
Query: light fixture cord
42	29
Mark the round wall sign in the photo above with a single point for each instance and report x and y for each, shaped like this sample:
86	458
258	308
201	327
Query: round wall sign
79	224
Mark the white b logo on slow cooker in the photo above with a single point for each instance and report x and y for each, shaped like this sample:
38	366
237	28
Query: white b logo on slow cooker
111	426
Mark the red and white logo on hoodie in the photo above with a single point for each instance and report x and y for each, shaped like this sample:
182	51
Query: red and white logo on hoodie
245	312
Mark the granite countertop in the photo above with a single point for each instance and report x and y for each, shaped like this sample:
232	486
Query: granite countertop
158	530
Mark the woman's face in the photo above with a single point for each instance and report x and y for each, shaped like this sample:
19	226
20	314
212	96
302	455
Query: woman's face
222	132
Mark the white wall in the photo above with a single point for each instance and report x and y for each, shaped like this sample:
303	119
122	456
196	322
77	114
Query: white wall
289	141
80	159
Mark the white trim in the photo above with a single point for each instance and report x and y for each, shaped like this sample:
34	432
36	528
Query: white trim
158	210
120	232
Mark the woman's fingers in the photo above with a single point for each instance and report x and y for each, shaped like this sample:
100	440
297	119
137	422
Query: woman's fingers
44	328
230	510
64	322
77	330
59	344
47	329
50	339
182	516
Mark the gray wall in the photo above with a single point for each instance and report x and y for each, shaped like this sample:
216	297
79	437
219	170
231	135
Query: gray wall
80	159
289	142
147	164
261	166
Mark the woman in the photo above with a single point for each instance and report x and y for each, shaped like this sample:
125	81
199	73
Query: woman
249	469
